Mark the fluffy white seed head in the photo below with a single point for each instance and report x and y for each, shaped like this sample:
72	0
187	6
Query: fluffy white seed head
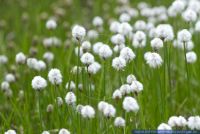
154	60
96	47
102	105
177	121
86	45
70	85
117	94
88	112
118	39
97	21
87	58
109	111
156	43
164	126
92	34
10	78
125	89
191	57
119	122
124	17
127	54
55	76
63	131
78	32
3	59
5	86
105	51
136	86
39	83
125	29
130	104
51	24
197	26
139	39
20	58
165	32
70	98
184	35
114	26
194	122
48	56
10	132
189	15
140	25
130	78
45	132
118	63
94	68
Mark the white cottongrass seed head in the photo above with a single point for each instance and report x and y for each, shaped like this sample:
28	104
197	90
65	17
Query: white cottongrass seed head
118	63
191	57
88	111
130	104
70	98
127	54
39	83
20	58
55	76
184	35
63	131
154	60
78	32
87	58
164	126
119	122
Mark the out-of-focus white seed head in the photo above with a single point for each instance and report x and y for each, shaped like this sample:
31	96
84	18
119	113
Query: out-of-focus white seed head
20	58
119	122
97	21
130	78
156	43
109	111
48	56
78	32
55	76
105	51
125	89
92	34
140	25
94	68
124	17
51	24
70	85
70	98
165	32
114	26
87	58
130	104
88	112
118	39
164	126
191	57
86	45
118	63
194	122
154	60
117	94
127	54
189	15
10	132
136	86
96	47
63	131
5	86
39	83
10	78
3	59
102	105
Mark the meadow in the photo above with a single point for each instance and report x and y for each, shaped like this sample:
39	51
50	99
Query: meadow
99	66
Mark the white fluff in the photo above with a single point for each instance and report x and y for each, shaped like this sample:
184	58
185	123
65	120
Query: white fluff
55	77
39	83
70	98
130	104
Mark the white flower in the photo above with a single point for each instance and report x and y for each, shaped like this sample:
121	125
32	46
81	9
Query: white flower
194	122
197	26
5	86
78	32
41	65
86	45
102	105
189	15
118	39
10	78
119	122
109	111
175	121
136	86
156	43
70	98
70	85
118	63
48	56
10	132
114	26
125	89
97	21
184	35
94	68
51	24
39	83
124	17
87	58
55	76
130	78
105	51
20	58
45	132
127	54
140	25
154	60
118	48
96	47
3	59
59	101
92	34
79	108
139	39
32	63
178	6
125	29
88	112
63	131
164	126
130	104
117	94
191	57
165	32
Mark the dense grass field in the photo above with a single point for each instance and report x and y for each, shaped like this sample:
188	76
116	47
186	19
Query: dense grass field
99	66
